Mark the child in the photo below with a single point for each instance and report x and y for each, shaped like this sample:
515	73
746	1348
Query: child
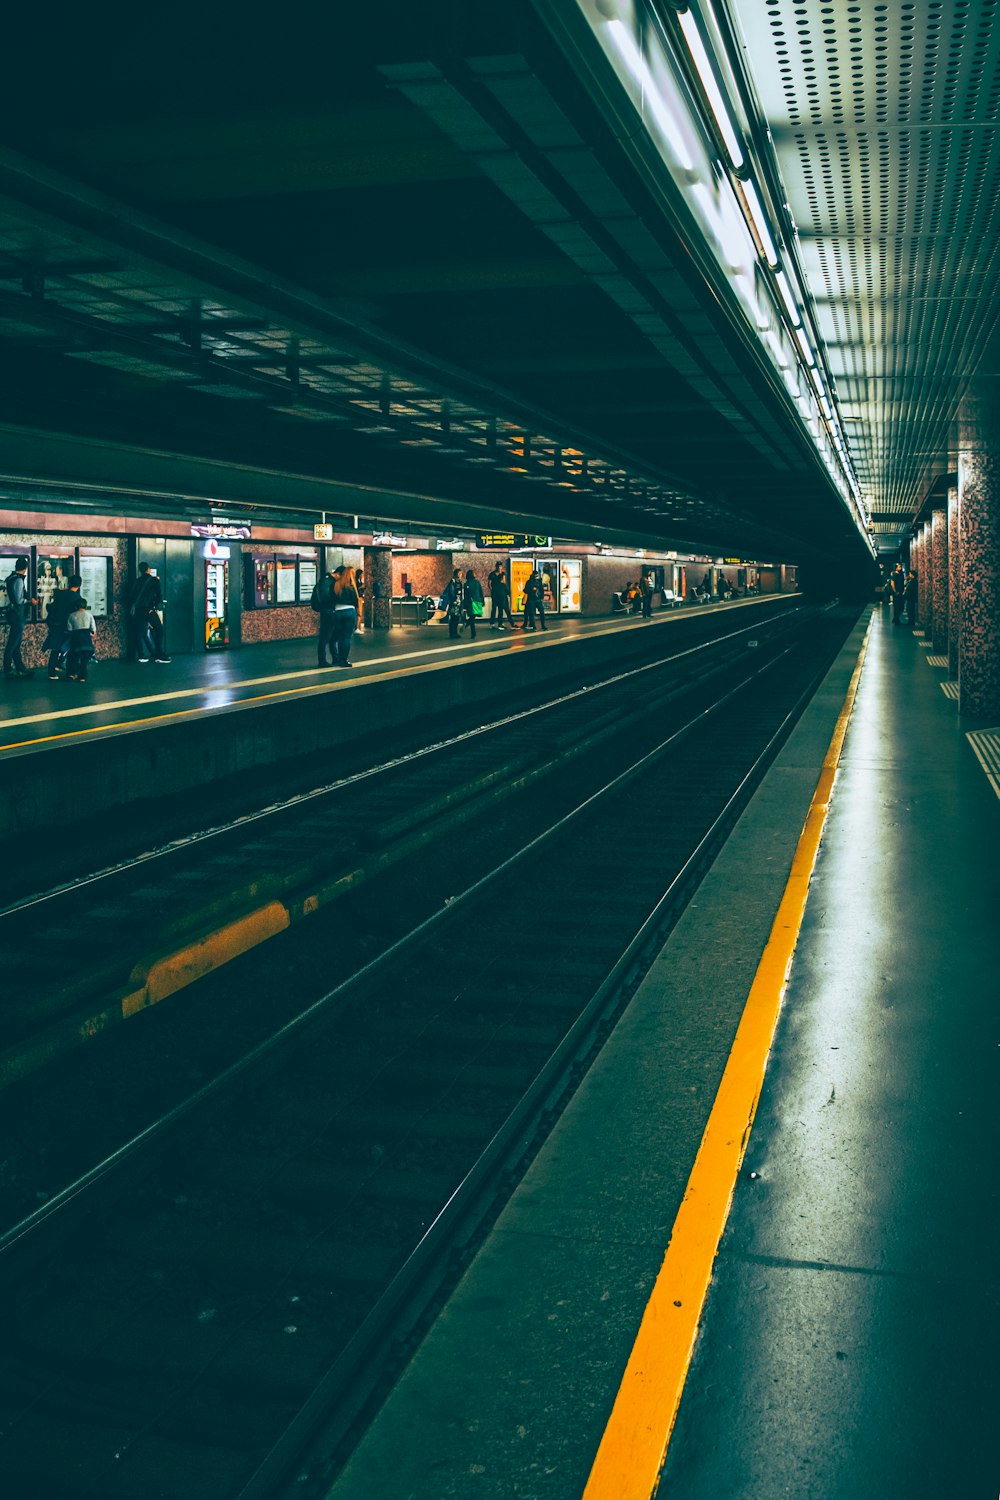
81	626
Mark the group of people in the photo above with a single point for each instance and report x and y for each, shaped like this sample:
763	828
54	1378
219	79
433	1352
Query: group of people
637	596
71	625
463	602
900	590
337	600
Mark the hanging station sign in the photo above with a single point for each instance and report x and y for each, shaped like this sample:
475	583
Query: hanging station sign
510	541
223	528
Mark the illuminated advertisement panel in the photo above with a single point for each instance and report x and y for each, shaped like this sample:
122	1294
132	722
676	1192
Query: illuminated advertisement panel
570	574
520	572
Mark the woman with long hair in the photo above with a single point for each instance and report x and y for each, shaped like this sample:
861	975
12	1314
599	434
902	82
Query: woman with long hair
345	617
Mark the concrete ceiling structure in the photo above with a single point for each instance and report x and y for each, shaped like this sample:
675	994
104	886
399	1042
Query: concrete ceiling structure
436	266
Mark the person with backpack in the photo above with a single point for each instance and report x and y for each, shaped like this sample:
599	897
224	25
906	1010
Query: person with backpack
17	612
81	626
322	601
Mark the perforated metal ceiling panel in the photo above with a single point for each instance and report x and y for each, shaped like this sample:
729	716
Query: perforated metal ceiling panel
884	123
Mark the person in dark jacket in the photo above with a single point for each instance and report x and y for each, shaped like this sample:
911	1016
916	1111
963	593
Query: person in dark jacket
324	608
61	606
499	599
898	585
910	598
647	586
17	612
534	600
452	603
143	603
472	596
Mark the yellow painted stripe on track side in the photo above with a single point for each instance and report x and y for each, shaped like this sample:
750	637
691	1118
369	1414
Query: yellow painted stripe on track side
634	1446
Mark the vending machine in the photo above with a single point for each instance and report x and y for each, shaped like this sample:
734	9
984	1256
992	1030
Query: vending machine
216	596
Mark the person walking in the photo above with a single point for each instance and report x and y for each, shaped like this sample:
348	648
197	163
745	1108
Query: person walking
472	601
18	601
345	616
61	606
143	603
534	600
322	601
81	626
499	599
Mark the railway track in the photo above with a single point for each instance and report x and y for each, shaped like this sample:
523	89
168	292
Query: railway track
207	1310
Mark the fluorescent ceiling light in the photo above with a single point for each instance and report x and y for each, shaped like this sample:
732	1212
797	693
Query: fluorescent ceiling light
636	65
784	287
760	223
705	72
805	346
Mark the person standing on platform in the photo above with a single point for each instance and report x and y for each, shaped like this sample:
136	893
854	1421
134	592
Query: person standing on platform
534	600
646	585
81	626
898	586
499	599
345	616
145	628
909	614
17	612
322	603
472	601
63	603
359	584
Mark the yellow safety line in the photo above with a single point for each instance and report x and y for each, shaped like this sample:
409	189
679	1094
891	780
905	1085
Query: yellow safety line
634	1446
231	687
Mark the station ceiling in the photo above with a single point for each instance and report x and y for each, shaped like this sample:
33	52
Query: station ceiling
407	263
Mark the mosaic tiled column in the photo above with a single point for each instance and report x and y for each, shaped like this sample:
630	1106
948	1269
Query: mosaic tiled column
954	591
926	578
915	564
939	581
378	586
979	554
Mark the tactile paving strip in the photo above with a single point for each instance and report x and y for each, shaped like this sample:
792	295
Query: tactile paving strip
986	744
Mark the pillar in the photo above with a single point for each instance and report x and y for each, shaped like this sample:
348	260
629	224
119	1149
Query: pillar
915	564
979	560
939	581
954	591
378	586
925	578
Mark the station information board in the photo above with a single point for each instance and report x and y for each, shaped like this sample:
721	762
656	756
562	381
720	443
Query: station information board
510	540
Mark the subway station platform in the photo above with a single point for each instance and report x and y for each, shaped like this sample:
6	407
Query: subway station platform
848	1336
121	695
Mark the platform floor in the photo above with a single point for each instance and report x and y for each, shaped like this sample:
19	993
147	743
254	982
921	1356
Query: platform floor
848	1344
119	694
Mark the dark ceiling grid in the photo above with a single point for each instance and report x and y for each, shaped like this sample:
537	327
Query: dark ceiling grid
121	303
884	121
538	159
